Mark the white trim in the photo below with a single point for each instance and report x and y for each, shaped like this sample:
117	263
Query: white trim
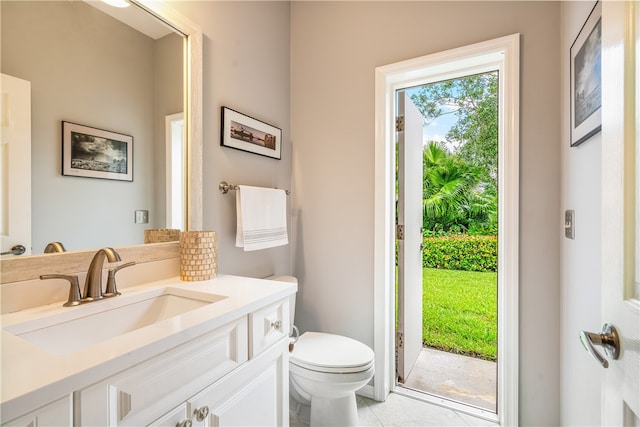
502	54
172	195
193	103
449	404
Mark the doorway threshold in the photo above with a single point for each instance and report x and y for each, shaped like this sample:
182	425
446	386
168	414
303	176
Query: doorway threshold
446	403
462	383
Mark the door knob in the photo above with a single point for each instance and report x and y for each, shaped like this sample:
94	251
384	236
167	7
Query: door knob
15	250
608	339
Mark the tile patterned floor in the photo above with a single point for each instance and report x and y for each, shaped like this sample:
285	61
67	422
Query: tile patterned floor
467	380
402	411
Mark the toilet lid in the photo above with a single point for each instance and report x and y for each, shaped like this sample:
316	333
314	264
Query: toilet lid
331	353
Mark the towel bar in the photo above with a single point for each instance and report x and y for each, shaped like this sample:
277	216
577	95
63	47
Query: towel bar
224	188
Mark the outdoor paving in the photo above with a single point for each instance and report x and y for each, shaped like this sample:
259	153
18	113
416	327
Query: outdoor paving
464	379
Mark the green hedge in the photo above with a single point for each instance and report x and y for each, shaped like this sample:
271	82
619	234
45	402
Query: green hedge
468	253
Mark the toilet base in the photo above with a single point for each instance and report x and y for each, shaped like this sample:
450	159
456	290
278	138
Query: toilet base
299	411
342	411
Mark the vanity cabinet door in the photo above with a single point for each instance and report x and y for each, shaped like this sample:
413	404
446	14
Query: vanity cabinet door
257	394
267	326
142	394
58	413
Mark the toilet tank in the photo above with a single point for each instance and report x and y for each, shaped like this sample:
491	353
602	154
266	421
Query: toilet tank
292	298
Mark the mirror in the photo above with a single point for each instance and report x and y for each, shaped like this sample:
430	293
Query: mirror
88	68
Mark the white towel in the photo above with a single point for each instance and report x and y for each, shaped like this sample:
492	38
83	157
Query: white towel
261	218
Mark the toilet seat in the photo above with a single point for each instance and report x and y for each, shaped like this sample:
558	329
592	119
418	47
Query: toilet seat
330	353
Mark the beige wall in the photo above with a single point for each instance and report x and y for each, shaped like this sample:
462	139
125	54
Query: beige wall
580	274
246	68
335	47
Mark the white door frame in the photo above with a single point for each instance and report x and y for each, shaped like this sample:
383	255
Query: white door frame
15	158
502	54
175	187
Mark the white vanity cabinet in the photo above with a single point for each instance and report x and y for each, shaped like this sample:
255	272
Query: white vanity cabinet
256	394
58	413
213	380
224	363
142	393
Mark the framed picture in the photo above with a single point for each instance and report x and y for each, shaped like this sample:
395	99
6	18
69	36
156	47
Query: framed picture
96	153
248	134
586	95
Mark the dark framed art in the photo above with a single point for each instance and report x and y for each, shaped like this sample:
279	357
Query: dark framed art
245	133
586	94
96	153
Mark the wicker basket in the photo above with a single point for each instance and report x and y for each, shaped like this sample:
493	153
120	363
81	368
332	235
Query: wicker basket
160	235
198	255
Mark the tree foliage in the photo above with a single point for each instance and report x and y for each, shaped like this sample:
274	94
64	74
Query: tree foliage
474	101
454	196
460	174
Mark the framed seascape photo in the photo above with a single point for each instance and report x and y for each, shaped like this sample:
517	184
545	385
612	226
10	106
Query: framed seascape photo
248	134
96	153
586	95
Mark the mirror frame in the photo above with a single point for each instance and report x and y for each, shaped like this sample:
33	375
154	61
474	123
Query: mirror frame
193	100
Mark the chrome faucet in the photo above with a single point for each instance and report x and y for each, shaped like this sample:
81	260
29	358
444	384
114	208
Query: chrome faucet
93	283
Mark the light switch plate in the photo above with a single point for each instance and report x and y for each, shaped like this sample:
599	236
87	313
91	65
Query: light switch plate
569	224
142	217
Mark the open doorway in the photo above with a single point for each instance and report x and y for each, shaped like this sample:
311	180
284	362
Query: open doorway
500	54
175	184
447	295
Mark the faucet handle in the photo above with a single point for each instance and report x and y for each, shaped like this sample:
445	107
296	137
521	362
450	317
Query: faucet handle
112	289
74	288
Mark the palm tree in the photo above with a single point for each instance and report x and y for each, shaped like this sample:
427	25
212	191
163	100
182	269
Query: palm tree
483	210
450	188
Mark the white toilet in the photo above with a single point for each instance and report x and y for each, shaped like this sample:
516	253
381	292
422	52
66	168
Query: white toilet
325	371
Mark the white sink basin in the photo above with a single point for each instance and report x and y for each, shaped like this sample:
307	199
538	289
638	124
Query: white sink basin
76	328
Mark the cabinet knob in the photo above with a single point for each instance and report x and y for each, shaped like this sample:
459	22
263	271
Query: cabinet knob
185	423
276	325
201	413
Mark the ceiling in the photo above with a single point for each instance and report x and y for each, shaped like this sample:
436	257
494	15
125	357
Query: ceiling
134	17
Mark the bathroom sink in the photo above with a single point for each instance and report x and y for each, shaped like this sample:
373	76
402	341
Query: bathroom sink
80	327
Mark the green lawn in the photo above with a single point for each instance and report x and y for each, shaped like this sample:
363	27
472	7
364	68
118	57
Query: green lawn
460	312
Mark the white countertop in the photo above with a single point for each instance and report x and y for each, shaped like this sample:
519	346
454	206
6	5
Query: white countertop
32	376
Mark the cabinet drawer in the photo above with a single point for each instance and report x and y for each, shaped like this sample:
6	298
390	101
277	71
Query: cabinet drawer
144	393
267	326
